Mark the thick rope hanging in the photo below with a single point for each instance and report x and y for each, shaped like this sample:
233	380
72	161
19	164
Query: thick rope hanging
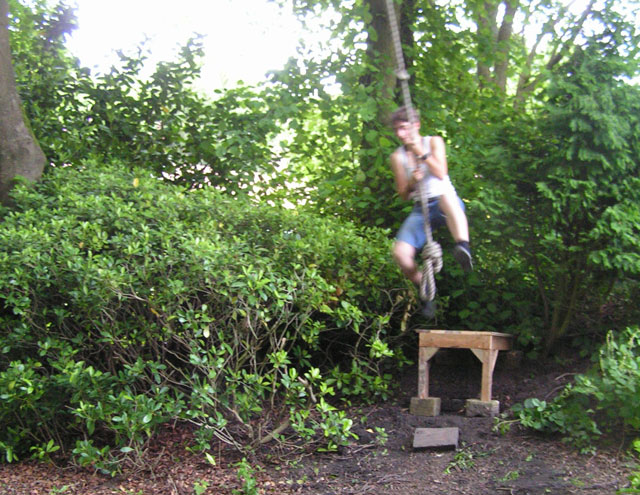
431	252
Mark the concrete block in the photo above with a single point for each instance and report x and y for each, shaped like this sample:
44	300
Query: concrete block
436	438
425	407
475	407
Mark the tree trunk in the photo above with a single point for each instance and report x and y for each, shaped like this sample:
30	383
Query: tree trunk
20	153
380	48
503	49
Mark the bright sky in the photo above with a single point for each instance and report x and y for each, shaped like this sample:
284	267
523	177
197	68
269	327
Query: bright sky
244	38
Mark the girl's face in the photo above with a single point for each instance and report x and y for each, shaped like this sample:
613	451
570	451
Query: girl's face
406	131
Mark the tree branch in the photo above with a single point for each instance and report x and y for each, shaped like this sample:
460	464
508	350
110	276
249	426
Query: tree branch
560	50
487	33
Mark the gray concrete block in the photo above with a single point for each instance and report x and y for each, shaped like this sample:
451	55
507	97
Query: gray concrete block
425	407
436	438
475	407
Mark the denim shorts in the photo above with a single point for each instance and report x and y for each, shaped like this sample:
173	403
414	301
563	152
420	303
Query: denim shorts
412	229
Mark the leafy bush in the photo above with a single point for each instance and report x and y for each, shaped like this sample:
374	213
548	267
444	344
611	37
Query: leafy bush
605	399
561	195
126	303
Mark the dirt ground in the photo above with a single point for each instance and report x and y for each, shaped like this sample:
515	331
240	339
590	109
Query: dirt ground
485	463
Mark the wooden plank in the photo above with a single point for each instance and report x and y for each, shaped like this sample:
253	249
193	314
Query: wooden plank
459	332
424	355
464	339
501	342
454	341
423	373
436	438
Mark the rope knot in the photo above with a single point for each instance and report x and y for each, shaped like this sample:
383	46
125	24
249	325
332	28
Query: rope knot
432	252
402	74
432	257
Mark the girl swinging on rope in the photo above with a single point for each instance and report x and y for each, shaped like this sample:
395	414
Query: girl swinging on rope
423	159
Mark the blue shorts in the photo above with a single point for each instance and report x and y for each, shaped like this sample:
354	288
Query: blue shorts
412	229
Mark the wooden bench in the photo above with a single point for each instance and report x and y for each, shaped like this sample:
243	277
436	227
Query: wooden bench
485	346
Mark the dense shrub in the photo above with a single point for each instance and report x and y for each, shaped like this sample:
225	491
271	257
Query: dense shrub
126	303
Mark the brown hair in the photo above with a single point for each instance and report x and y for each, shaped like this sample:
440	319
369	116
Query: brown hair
405	114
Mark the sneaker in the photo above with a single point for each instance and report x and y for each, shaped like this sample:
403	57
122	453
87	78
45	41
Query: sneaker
428	309
463	256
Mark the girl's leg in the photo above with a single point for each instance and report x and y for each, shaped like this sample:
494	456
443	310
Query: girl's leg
457	223
455	217
404	255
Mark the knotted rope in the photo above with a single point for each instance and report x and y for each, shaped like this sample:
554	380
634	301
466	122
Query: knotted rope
431	252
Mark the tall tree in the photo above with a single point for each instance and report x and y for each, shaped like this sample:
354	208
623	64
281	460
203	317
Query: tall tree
20	153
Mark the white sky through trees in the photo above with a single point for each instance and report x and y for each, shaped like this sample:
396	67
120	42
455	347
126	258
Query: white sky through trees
243	38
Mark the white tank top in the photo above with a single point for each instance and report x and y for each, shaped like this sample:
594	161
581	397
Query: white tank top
435	186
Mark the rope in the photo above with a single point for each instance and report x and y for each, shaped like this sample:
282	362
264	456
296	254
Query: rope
431	252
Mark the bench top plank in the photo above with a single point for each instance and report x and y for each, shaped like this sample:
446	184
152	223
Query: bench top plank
465	339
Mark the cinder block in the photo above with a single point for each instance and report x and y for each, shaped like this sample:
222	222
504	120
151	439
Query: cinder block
436	438
475	407
425	407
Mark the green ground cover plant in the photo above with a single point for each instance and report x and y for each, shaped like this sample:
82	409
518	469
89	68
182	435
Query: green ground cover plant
603	400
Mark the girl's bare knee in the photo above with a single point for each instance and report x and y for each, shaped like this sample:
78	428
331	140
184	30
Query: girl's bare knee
403	253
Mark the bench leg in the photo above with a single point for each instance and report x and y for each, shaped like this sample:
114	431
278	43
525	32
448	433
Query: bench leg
488	358
424	355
